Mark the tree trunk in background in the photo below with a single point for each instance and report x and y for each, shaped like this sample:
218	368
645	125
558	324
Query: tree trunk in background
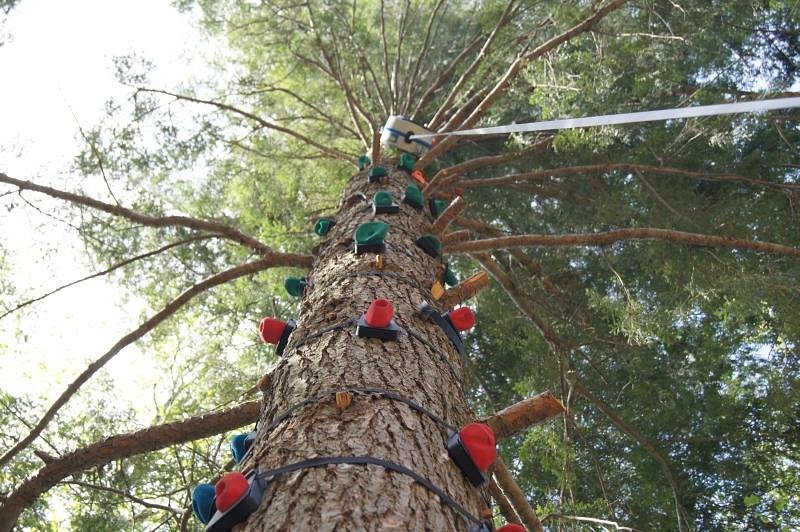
358	497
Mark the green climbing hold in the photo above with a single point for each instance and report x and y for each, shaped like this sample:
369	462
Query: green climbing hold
430	245
376	173
363	162
323	225
450	278
382	198
406	162
295	286
382	203
371	233
413	196
369	237
437	206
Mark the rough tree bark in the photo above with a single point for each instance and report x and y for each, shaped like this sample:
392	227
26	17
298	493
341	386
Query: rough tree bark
347	497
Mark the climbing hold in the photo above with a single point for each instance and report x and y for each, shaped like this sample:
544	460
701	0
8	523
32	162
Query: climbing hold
369	237
473	450
382	203
230	489
276	332
461	319
430	245
418	176
363	162
295	286
323	225
377	322
511	527
379	313
237	496
446	324
241	444
413	196
203	502
437	206
398	131
450	278
376	173
406	162
437	290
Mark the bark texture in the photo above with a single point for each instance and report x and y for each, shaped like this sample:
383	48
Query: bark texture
422	366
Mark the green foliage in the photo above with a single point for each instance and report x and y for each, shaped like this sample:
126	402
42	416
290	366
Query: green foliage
695	347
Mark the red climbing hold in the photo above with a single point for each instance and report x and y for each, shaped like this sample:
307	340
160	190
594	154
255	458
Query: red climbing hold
271	330
229	489
511	527
478	440
380	313
462	319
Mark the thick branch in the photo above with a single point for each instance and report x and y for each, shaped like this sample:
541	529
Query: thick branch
464	290
484	162
501	86
516	496
279	259
519	416
448	215
627	167
121	446
503	503
168	310
455	237
333	152
609	237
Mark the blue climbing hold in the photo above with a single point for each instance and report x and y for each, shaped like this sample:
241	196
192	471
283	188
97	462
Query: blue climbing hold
238	448
203	502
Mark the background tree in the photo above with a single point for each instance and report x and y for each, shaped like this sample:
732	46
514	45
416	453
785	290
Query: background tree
675	356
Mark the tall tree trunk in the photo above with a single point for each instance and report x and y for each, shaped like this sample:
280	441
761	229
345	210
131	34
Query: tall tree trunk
365	497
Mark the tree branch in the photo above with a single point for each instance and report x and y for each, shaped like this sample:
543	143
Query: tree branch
412	81
124	494
506	509
515	495
484	162
121	446
609	237
333	152
455	237
448	215
168	310
464	290
107	271
443	145
628	167
519	416
280	259
502	22
443	78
